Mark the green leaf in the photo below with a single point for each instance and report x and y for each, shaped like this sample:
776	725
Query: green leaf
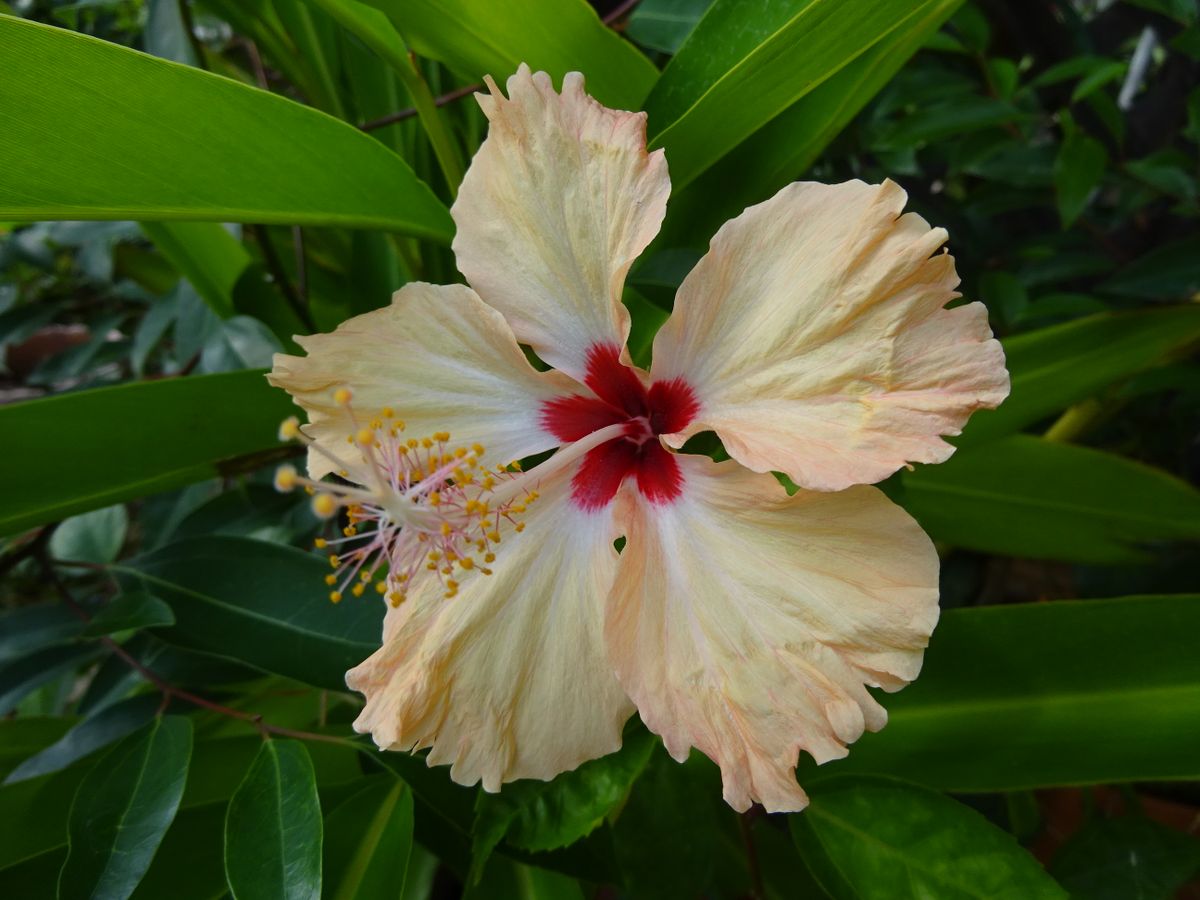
788	145
1115	859
670	799
129	610
95	537
665	24
1169	272
171	432
1024	496
207	255
1077	171
1054	367
145	138
1097	78
368	840
943	120
262	604
737	73
108	725
27	736
546	815
557	36
1033	695
122	810
27	629
20	678
273	828
1004	295
877	838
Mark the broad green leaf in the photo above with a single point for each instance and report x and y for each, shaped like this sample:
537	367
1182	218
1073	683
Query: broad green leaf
666	834
1055	367
665	24
1024	496
736	73
93	448
943	120
122	810
1116	859
207	255
546	815
557	36
27	629
23	676
108	725
26	736
273	828
132	609
262	604
1077	171
508	880
206	148
879	839
368	839
785	147
1169	272
1034	695
166	32
95	537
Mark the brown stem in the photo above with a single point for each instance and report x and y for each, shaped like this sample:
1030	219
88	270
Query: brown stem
758	891
169	690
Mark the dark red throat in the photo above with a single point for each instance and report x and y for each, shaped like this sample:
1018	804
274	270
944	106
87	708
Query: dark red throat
665	408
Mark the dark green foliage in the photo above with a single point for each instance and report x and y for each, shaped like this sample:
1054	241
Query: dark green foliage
175	719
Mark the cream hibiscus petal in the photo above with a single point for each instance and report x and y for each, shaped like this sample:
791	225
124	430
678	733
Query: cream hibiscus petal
558	203
814	336
746	623
509	678
441	359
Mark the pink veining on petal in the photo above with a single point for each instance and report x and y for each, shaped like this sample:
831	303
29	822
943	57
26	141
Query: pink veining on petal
665	407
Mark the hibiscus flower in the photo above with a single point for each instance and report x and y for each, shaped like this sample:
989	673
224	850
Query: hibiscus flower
813	338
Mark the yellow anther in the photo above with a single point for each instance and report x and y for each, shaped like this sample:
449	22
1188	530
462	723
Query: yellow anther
441	436
447	570
358	589
331	580
324	506
446	529
488	482
467	563
342	396
400	424
426	443
435	555
396	598
365	436
477	449
411	443
494	537
517	509
376	424
519	527
460	452
515	465
471	506
349	531
402	579
387	412
435	499
451	556
381	587
451	584
533	495
334	561
335	596
285	478
289	429
489	557
432	567
485	571
364	576
309	489
320	543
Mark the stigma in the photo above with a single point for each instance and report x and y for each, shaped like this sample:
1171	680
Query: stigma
412	510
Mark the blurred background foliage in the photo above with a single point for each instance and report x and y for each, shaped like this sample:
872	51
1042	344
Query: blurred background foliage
160	618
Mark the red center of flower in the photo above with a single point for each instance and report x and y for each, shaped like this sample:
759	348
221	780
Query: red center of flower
665	408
